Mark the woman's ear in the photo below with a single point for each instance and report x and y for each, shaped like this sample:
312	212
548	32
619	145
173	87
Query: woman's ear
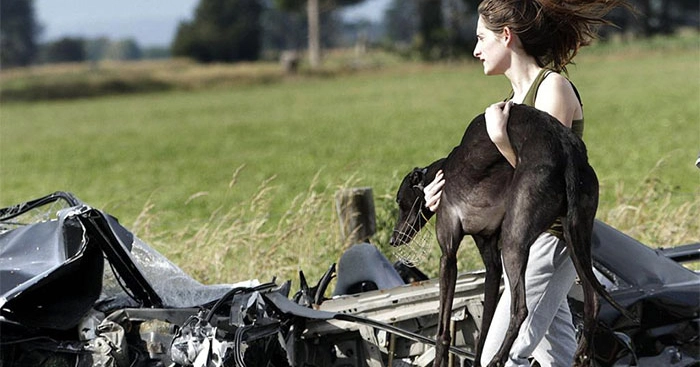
507	36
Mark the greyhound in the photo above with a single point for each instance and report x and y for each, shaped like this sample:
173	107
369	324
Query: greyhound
506	207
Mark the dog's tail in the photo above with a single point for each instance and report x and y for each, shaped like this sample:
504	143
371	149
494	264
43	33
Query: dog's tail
582	203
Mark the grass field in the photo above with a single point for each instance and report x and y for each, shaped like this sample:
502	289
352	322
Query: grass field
237	182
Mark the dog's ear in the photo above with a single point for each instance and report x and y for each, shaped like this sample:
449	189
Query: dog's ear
417	177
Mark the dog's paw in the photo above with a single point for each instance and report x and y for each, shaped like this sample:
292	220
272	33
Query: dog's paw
583	360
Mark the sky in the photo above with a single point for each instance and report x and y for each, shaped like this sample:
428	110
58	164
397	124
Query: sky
149	22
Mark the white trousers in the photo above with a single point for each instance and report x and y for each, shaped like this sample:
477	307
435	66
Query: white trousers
547	334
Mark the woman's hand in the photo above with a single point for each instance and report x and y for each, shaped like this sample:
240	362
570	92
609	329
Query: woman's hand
496	116
433	191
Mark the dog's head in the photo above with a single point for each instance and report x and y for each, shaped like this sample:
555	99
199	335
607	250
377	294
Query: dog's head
413	214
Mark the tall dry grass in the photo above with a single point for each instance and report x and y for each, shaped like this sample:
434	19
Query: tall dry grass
655	212
240	241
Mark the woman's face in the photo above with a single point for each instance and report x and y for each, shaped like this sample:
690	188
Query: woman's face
490	49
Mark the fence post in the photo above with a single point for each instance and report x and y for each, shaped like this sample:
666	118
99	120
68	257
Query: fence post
355	207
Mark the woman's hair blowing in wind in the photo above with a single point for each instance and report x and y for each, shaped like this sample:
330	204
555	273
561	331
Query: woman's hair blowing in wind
552	31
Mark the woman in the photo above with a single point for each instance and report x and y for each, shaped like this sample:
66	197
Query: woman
531	42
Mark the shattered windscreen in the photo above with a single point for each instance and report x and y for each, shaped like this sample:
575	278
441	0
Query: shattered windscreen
175	287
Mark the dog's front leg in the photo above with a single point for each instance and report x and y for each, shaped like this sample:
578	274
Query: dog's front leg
448	278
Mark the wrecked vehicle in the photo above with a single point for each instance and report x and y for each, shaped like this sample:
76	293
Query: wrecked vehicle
79	289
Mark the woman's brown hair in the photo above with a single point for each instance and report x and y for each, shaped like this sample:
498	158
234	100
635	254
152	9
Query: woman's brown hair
552	31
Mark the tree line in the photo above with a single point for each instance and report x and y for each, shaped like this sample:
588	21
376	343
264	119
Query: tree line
248	30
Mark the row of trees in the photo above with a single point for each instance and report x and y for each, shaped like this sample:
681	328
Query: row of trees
233	30
76	49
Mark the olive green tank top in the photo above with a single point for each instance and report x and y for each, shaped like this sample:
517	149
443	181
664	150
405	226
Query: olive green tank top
576	126
529	100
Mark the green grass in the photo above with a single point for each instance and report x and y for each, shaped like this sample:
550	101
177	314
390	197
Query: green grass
232	171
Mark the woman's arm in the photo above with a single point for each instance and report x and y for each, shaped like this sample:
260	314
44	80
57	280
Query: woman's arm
496	116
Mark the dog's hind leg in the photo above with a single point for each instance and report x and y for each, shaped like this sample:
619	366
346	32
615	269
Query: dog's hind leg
582	202
491	256
584	353
577	231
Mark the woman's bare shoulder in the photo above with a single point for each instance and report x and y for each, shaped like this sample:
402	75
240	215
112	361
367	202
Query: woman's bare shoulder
556	95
